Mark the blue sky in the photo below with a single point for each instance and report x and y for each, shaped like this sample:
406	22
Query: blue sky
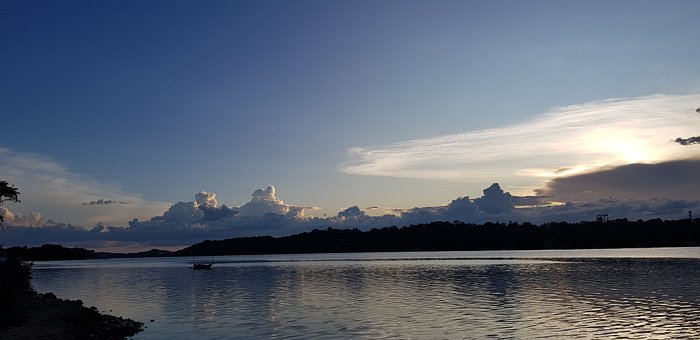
151	102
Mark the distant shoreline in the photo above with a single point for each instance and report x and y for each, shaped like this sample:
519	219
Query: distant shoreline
435	236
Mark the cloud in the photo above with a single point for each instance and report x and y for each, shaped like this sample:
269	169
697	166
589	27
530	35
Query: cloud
212	213
184	212
264	201
15	219
185	223
634	209
531	201
353	212
688	141
617	157
206	198
103	202
495	200
494	205
562	142
381	210
202	218
57	192
671	180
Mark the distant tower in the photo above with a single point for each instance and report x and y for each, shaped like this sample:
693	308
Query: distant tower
690	216
601	218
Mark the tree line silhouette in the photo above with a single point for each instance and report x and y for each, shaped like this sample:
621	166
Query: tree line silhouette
443	236
435	236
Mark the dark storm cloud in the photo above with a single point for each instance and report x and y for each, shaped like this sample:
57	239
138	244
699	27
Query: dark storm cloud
672	180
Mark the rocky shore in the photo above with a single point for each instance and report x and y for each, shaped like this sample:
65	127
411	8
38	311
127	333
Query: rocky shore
26	314
43	316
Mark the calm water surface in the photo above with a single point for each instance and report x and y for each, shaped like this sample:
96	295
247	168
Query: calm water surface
591	294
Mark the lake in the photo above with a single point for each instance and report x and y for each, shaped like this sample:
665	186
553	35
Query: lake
594	294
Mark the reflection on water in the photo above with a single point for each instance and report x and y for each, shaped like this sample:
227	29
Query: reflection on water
408	295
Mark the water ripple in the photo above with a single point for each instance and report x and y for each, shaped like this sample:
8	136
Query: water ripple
583	298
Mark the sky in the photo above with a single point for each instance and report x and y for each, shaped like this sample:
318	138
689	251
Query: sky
275	117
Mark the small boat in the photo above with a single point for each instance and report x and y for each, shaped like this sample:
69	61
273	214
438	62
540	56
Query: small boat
202	265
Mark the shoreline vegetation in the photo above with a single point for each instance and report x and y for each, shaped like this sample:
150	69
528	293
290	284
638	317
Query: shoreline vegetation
434	236
26	314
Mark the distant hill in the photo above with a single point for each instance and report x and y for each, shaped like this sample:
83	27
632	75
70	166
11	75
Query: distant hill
50	252
437	236
53	252
149	253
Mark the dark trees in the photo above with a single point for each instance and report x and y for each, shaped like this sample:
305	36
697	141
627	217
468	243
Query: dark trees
7	193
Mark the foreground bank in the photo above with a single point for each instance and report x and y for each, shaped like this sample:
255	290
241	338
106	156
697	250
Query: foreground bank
26	314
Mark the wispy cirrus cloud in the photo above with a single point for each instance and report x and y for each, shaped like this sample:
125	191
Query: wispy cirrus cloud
48	186
562	142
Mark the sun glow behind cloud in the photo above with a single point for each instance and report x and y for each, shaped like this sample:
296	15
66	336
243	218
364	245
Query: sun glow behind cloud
562	142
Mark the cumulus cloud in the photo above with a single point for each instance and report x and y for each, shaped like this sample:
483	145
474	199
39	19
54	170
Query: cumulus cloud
203	218
296	213
563	142
494	205
15	219
204	198
184	212
500	208
461	206
212	213
265	201
495	200
353	212
185	223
